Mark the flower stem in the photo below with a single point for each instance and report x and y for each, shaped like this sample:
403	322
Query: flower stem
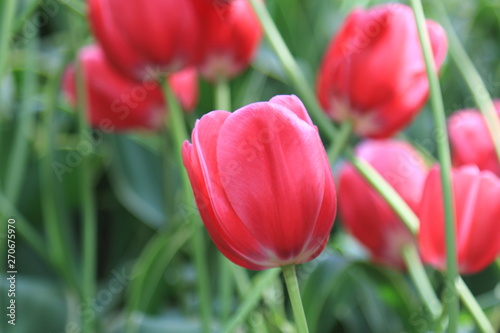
470	302
58	243
341	141
421	280
294	293
24	228
178	128
26	121
292	69
9	10
89	219
473	79
223	95
387	192
223	102
445	161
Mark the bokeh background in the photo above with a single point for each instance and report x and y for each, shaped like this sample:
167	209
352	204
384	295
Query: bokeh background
145	271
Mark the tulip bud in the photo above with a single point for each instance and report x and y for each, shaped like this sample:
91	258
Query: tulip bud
476	197
365	214
117	103
262	183
471	142
373	72
147	36
231	35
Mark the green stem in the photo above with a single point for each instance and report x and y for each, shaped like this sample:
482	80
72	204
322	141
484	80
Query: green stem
25	16
340	142
470	302
387	192
9	10
419	277
445	161
440	325
243	284
473	79
294	293
263	281
24	228
223	102
19	153
225	286
76	7
292	69
222	95
178	128
58	243
89	220
149	269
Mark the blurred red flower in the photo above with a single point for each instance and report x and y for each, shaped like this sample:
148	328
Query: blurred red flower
365	214
471	142
373	72
118	103
146	37
230	35
476	196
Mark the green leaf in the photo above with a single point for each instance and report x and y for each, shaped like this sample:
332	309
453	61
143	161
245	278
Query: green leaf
136	177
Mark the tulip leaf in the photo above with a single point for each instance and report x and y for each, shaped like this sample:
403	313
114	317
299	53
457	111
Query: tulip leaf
40	306
137	179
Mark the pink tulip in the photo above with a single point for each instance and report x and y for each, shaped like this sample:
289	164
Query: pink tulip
476	196
117	103
365	214
231	34
373	72
471	141
262	183
142	38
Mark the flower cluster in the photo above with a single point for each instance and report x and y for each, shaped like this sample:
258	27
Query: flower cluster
140	43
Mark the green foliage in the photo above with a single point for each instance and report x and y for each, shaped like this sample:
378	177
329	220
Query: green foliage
142	229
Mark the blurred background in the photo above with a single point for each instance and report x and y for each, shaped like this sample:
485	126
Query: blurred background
145	268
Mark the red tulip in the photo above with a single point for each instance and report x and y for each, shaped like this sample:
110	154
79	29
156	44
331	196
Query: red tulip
262	183
476	196
471	141
231	35
117	103
365	214
143	37
373	72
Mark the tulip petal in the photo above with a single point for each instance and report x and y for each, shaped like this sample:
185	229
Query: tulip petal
269	158
439	42
479	240
431	213
294	104
226	230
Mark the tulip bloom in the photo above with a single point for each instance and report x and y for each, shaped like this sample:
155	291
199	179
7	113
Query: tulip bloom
262	183
476	196
471	141
147	36
373	72
365	214
117	103
231	34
